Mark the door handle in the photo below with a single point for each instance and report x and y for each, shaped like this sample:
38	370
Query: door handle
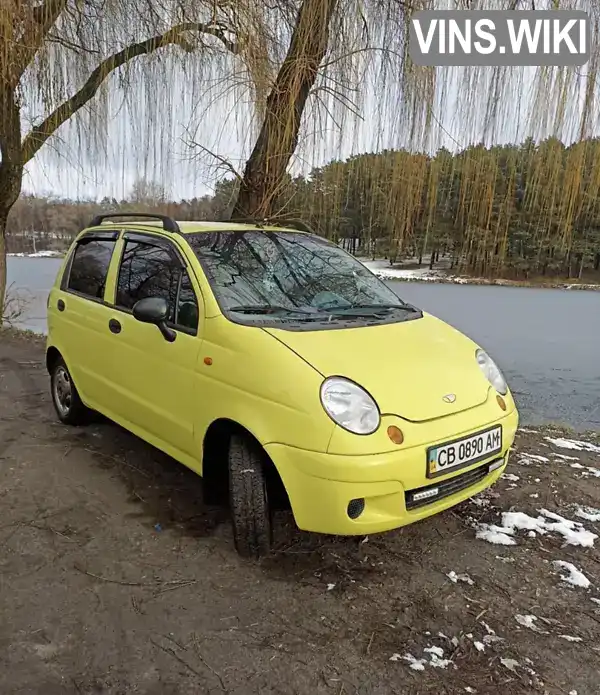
114	326
60	305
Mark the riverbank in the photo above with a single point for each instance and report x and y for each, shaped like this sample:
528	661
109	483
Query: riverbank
384	271
118	579
37	254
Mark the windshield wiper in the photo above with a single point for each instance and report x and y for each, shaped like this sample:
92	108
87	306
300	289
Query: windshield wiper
267	309
369	310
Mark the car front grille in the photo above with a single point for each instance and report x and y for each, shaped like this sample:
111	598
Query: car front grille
447	487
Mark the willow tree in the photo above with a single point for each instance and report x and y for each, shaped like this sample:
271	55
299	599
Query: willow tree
57	57
343	67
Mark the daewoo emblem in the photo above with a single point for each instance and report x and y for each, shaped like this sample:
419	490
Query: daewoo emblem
449	398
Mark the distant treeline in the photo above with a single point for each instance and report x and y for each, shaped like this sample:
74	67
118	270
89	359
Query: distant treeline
513	211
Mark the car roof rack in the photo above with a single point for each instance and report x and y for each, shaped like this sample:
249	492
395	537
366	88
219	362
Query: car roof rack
298	224
247	220
169	224
280	221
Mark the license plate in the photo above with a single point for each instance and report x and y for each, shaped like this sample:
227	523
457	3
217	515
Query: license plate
463	452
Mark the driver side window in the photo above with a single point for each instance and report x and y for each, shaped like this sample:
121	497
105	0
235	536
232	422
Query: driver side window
148	270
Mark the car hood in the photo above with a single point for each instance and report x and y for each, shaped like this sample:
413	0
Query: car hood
407	367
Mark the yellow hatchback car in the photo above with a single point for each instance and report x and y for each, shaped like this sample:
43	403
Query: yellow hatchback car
266	358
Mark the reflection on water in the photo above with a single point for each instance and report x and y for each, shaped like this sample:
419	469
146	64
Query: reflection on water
32	278
544	340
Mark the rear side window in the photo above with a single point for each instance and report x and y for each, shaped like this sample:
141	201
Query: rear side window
89	267
151	271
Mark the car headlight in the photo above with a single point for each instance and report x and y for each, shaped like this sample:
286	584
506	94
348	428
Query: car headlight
349	405
491	371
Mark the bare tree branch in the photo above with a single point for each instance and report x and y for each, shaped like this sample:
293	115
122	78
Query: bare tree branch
175	36
70	45
222	160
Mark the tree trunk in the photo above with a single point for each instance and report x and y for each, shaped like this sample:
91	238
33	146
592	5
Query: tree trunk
432	259
2	269
11	172
278	138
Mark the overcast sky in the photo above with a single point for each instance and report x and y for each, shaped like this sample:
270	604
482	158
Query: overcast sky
138	146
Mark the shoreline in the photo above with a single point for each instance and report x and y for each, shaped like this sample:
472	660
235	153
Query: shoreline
498	282
384	271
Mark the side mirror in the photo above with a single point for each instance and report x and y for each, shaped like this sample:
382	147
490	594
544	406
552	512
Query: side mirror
155	310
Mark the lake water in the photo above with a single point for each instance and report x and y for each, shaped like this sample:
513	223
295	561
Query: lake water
545	341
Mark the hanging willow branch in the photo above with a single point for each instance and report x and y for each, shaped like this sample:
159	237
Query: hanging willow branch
38	135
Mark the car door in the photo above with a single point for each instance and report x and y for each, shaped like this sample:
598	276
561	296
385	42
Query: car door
78	314
157	379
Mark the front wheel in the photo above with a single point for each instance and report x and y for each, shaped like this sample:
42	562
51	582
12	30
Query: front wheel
65	397
249	500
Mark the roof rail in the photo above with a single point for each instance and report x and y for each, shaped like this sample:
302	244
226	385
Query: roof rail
298	224
247	220
169	224
281	221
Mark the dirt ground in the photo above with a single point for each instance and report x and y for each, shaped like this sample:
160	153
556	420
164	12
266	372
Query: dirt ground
115	579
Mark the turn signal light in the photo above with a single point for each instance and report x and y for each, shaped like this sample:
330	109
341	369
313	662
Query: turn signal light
501	402
395	434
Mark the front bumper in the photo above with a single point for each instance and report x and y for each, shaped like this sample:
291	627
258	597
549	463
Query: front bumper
321	486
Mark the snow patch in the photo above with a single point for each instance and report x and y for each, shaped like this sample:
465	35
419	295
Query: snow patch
528	621
384	270
588	513
575	444
569	638
436	659
588	470
495	534
572	531
574	576
452	576
415	664
37	254
531	459
511	476
564	457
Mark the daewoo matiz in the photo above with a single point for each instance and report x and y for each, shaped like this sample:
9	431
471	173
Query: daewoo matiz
269	359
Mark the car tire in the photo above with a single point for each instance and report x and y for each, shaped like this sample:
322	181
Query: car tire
249	500
65	397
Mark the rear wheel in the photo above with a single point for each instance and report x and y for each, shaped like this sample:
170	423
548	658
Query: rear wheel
65	397
249	500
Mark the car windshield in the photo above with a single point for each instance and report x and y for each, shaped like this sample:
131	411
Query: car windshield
288	274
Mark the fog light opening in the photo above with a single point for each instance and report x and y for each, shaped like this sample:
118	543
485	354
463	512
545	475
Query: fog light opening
395	434
501	402
356	507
